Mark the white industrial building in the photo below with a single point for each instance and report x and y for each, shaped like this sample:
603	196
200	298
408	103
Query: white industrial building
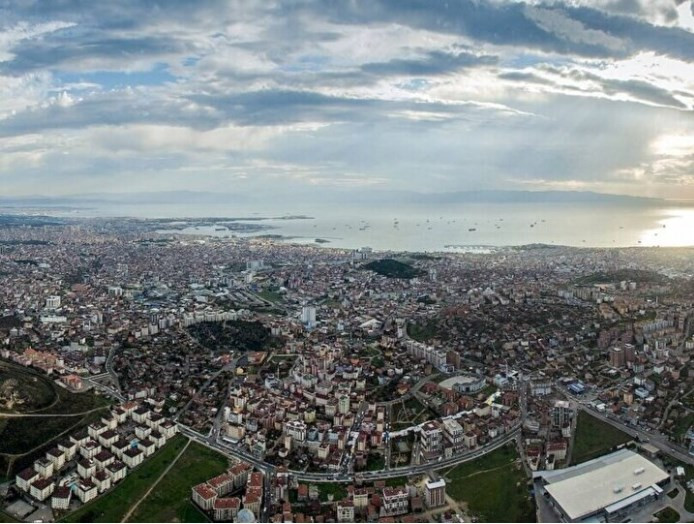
605	489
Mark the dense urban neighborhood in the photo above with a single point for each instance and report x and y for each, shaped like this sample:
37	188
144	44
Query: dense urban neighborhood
150	375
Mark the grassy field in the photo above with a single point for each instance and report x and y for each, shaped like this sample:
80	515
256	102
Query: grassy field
682	424
688	495
4	517
338	491
594	438
47	397
113	506
390	268
375	462
190	513
423	332
38	392
271	296
410	412
671	464
668	515
19	435
395	482
27	459
494	487
170	500
23	439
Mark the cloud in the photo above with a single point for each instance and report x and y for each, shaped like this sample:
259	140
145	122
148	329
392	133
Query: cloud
434	63
581	31
383	93
11	37
558	23
573	80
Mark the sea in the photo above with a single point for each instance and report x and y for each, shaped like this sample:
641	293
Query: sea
450	227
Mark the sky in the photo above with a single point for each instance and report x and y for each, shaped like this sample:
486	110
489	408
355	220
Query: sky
281	98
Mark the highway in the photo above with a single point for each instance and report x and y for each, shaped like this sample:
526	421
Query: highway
236	452
107	389
654	438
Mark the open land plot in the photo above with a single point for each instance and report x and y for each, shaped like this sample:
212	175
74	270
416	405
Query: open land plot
114	505
494	487
170	499
595	438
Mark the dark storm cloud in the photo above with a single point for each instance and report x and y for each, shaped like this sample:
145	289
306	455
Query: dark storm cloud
63	50
510	24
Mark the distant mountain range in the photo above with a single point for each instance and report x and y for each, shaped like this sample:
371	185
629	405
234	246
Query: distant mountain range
96	199
513	197
351	197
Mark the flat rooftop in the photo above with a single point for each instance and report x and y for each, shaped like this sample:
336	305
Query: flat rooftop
592	486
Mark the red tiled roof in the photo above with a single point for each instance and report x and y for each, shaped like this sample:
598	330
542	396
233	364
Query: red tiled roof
227	503
219	480
205	491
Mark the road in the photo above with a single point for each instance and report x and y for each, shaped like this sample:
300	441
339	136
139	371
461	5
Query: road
232	452
107	389
389	421
50	415
109	367
231	365
655	439
236	452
